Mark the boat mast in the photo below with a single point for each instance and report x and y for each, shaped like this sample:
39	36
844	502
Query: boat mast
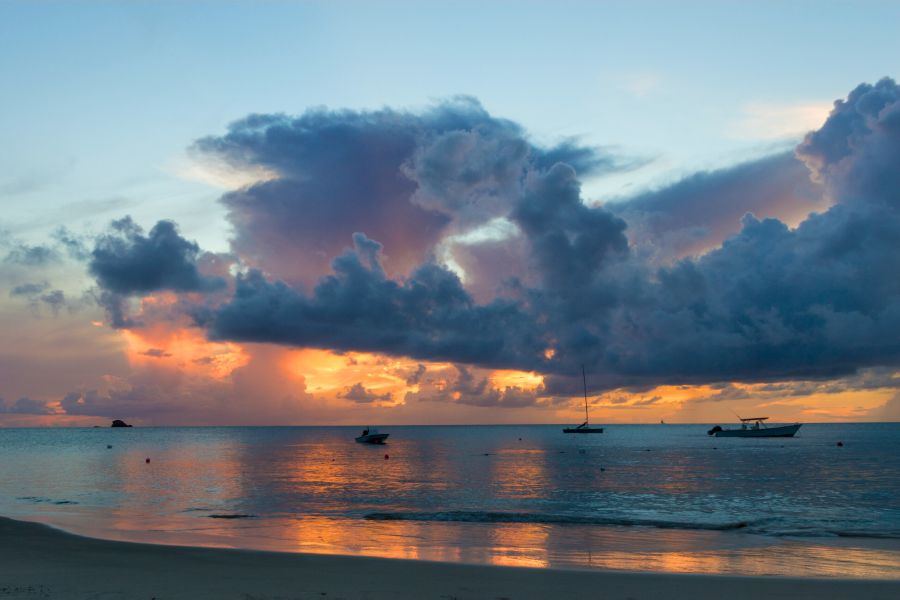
584	381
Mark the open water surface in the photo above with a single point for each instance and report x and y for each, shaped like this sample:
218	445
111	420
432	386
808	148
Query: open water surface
637	497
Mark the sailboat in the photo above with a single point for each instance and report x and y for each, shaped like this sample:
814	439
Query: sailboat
584	427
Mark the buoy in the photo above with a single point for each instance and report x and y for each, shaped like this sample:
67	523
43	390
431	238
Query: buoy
840	444
108	446
147	460
386	457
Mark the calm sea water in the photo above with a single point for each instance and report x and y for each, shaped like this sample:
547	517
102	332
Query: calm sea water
660	497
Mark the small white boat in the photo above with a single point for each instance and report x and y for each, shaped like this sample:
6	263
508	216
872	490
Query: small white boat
370	435
756	427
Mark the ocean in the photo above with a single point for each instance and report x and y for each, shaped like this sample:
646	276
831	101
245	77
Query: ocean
637	497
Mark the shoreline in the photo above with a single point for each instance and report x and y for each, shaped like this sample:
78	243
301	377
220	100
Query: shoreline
40	561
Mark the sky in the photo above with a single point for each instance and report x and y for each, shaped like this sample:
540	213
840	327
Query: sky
350	212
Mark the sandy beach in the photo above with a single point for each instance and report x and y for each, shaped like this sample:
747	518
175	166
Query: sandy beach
39	562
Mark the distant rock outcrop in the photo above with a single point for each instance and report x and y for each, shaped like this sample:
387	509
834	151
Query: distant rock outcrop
119	423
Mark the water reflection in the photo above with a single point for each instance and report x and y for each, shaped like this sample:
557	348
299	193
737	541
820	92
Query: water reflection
528	545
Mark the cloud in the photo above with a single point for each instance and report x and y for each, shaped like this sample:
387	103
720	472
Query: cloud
416	376
891	409
428	315
357	393
125	261
699	212
772	302
31	256
856	151
767	121
462	386
74	245
29	289
36	296
405	179
25	406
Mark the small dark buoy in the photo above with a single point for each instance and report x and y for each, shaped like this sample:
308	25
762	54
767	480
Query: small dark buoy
582	451
486	454
520	439
602	469
108	446
840	444
385	457
147	460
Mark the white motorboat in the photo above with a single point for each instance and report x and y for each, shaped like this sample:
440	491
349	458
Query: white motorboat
370	435
756	427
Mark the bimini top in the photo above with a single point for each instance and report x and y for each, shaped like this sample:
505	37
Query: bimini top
754	419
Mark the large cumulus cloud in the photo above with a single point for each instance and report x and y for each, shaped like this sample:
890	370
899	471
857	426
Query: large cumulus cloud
772	302
405	179
857	151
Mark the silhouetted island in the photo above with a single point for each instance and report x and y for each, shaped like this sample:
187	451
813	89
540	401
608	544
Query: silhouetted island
119	423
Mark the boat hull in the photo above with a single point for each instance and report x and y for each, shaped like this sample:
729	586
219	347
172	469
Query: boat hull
783	431
583	430
375	438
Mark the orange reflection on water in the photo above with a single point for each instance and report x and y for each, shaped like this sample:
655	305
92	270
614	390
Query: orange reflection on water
519	545
518	478
789	559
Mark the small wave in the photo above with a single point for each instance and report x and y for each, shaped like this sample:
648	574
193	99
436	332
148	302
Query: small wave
512	517
42	500
883	535
843	533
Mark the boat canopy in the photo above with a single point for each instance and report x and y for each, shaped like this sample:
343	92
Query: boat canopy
755	419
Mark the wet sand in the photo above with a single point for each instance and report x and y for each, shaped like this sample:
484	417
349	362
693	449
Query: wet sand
39	562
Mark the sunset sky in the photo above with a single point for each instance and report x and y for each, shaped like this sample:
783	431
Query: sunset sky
406	213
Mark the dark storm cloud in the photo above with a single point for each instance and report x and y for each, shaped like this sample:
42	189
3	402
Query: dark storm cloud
701	211
427	315
125	261
25	406
818	301
569	241
403	178
856	152
359	394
